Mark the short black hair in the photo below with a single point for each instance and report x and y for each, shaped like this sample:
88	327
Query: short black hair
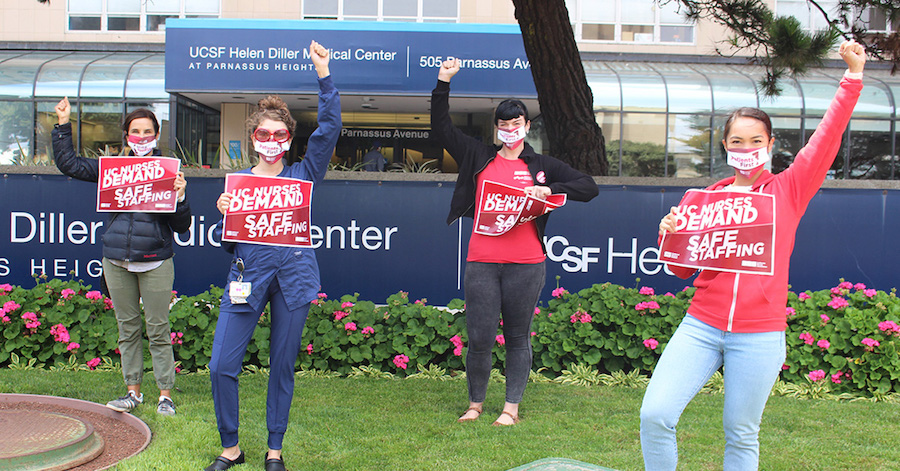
510	109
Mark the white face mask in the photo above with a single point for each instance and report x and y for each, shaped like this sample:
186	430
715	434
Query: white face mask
512	138
746	161
141	146
271	151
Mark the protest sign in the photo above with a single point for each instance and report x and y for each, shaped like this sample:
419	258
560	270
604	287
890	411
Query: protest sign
503	207
723	230
268	210
137	184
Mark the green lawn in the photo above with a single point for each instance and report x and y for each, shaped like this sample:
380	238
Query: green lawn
393	424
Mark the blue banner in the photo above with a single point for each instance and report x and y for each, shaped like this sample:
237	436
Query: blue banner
272	56
378	238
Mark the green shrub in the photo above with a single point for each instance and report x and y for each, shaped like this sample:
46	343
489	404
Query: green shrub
608	328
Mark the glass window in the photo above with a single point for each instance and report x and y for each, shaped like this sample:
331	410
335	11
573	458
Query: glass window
639	21
147	79
84	23
730	89
17	74
688	145
439	9
810	17
165	6
60	77
788	141
101	129
130	6
400	8
16	127
688	91
837	169
610	125
123	23
45	120
105	78
642	87
870	152
790	102
643	145
320	8
361	7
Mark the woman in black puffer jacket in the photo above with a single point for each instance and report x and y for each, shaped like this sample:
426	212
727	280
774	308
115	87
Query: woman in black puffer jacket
137	261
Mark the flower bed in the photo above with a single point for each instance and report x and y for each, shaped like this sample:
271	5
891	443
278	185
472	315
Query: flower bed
843	340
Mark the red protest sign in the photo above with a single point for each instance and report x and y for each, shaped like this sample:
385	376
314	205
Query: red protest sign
268	210
137	184
723	230
503	207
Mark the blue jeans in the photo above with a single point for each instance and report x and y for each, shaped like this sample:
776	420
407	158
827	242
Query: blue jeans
752	362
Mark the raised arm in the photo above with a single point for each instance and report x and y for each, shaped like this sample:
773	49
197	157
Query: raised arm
806	174
448	135
67	160
321	143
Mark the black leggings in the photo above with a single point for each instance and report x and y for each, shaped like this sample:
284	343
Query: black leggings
491	289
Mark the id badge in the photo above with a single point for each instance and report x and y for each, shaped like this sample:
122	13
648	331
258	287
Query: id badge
239	291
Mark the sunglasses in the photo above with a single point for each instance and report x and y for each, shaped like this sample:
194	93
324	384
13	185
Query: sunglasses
263	135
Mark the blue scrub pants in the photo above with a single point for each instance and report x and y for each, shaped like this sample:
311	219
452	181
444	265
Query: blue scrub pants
234	330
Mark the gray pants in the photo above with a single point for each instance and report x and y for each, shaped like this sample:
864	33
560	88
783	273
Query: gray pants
492	289
154	288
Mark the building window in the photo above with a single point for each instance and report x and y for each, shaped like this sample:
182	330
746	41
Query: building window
419	11
629	21
135	15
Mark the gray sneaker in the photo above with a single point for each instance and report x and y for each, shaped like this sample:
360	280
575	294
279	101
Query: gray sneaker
125	403
165	407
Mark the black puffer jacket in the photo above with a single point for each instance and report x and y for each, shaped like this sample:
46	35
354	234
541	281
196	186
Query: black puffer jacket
472	156
134	237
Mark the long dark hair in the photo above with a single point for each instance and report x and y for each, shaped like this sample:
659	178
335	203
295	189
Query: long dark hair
747	112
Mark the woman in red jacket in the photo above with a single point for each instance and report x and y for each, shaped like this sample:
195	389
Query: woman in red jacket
737	320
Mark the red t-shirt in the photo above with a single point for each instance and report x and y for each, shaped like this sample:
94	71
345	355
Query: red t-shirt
520	244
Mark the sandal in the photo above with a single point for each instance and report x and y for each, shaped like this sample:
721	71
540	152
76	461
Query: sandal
476	409
515	419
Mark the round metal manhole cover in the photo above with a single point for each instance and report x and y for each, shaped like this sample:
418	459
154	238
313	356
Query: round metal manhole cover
33	440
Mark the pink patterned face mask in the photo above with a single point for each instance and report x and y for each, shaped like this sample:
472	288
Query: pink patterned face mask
141	146
748	162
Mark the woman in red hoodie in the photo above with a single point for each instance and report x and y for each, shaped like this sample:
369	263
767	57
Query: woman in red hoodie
737	320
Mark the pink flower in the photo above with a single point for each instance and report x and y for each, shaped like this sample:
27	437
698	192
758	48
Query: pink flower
59	333
838	303
456	340
338	315
10	306
889	326
108	303
346	304
73	346
309	348
401	361
29	316
790	312
586	318
651	343
652	305
669	295
803	296
807	338
824	318
574	318
67	293
640	306
785	367
314	301
870	293
870	343
836	378
177	338
117	351
646	291
323	296
685	288
5	319
458	351
859	287
351	326
93	363
177	369
580	316
837	291
558	292
533	334
368	330
537	311
33	325
5	288
93	295
845	285
816	375
823	344
500	339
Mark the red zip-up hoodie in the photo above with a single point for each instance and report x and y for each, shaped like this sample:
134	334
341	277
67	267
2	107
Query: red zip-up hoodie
742	302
